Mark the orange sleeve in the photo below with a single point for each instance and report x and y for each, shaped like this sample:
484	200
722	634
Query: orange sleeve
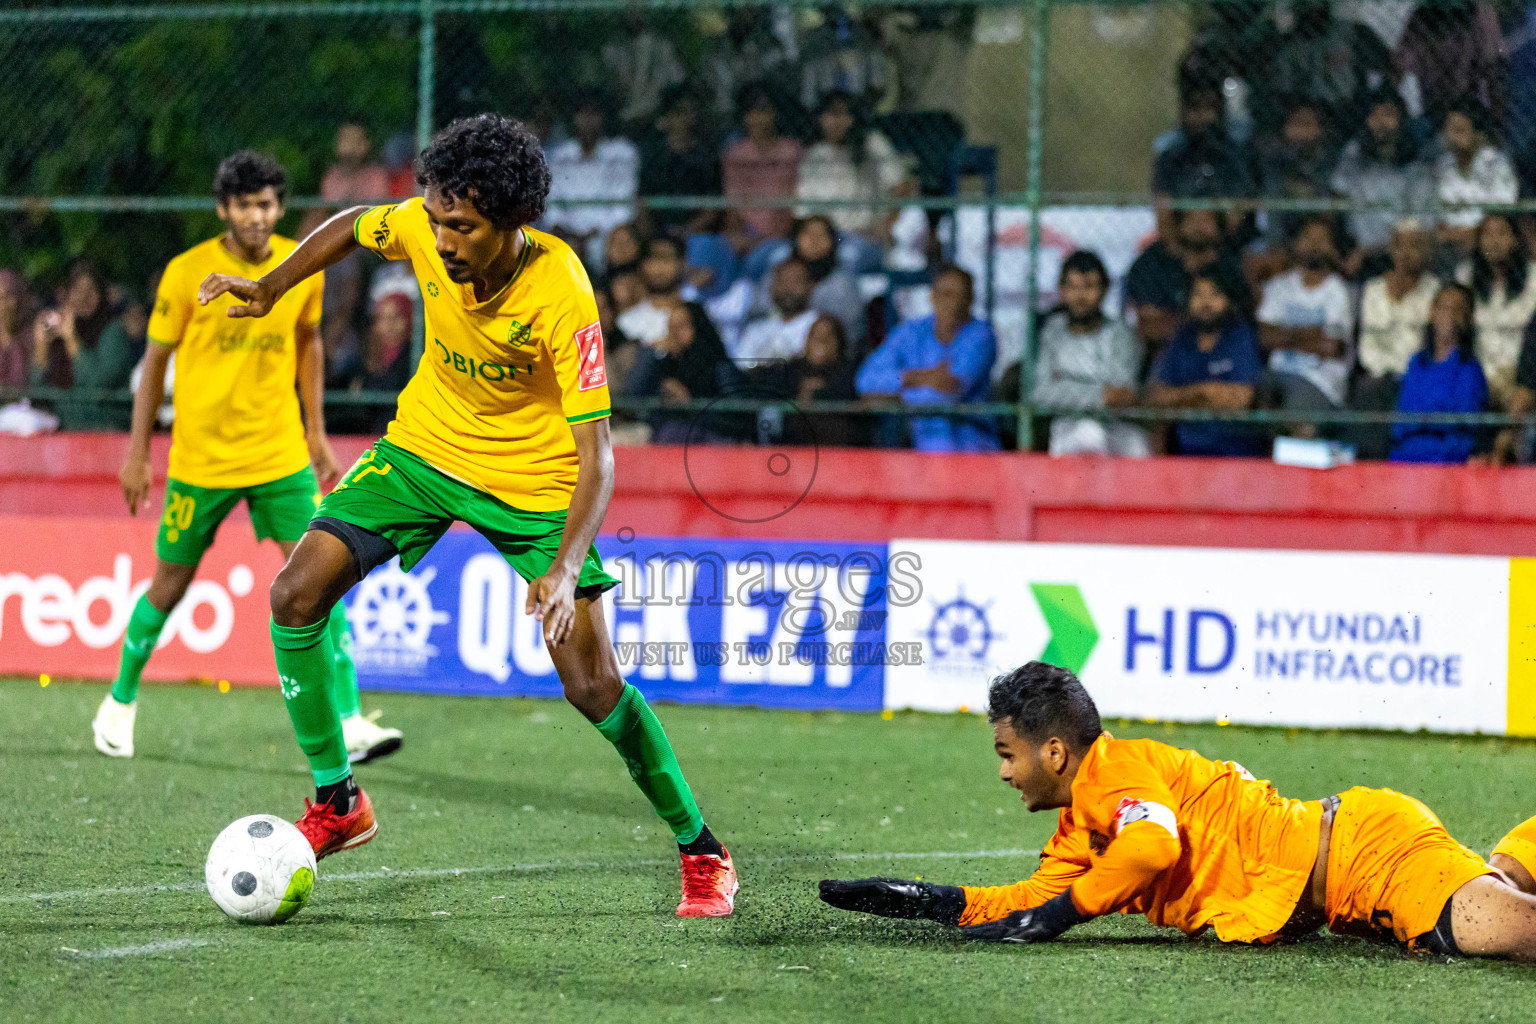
1142	851
1127	800
1064	860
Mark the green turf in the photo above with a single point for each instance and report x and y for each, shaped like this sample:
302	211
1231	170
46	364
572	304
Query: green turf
564	911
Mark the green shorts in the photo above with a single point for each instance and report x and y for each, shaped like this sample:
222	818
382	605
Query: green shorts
403	499
280	510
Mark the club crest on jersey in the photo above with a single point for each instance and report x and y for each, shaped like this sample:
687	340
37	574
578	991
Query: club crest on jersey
591	372
519	334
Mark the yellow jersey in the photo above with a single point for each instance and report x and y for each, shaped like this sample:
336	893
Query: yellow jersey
500	381
235	395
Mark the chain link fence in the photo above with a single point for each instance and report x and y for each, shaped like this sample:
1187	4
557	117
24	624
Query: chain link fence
1180	143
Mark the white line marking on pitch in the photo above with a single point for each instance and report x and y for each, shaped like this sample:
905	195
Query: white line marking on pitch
148	949
530	868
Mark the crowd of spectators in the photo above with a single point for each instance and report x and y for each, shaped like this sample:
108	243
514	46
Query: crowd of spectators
1199	333
1323	242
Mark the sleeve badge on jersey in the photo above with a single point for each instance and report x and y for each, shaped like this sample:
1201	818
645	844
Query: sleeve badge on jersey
1131	809
589	345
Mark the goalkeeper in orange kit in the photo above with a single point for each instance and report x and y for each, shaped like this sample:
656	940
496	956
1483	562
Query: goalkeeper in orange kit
1146	828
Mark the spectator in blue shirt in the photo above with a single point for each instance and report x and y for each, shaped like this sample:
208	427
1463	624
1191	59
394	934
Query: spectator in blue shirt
1443	376
943	359
1211	363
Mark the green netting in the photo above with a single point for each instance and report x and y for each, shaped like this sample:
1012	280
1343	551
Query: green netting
1025	130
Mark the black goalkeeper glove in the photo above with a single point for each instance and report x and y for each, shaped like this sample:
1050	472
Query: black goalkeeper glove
1037	924
894	897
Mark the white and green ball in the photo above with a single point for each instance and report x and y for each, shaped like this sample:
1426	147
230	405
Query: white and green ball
261	870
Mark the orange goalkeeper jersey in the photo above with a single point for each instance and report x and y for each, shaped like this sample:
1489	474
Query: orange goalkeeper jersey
1192	843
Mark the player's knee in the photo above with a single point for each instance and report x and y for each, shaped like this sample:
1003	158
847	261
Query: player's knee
169	585
594	693
293	603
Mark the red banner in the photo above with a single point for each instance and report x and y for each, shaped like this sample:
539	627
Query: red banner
67	587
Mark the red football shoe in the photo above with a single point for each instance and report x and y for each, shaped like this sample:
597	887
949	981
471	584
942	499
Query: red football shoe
329	832
709	885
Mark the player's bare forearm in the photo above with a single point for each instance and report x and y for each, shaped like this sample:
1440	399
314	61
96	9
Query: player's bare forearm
551	597
311	372
329	243
135	473
589	501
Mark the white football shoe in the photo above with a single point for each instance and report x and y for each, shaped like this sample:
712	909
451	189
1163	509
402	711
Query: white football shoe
366	740
113	726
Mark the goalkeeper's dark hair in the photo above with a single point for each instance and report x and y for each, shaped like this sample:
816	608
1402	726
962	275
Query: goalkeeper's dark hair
247	172
491	161
1040	701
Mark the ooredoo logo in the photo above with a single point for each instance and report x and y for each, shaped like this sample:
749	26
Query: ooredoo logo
51	610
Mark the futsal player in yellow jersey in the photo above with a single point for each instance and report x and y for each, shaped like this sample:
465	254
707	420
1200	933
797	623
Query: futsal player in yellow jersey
504	427
237	434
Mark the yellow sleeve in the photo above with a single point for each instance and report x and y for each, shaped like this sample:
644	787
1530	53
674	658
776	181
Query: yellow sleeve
173	307
576	349
1136	809
1063	861
375	230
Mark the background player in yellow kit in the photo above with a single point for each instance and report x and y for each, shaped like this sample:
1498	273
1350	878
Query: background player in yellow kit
505	427
1146	828
237	433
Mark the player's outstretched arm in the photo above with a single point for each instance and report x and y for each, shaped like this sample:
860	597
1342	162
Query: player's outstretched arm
135	474
327	244
1035	924
896	897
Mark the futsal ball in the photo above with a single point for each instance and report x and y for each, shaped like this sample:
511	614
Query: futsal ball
261	870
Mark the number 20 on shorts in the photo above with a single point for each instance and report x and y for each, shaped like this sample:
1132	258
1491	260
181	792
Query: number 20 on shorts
178	514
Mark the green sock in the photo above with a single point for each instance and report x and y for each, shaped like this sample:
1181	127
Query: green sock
306	664
633	729
139	641
347	702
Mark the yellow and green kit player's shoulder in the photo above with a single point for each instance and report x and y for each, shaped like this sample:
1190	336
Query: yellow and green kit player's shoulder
176	302
390	230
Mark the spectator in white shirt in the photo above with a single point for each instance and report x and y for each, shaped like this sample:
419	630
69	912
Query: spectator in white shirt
850	162
1504	287
834	290
1088	361
1394	310
1470	170
661	271
589	167
1305	322
781	335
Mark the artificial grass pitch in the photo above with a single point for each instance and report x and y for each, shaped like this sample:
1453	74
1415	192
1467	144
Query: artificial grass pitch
518	875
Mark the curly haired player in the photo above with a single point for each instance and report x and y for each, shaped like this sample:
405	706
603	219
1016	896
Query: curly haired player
505	427
1146	828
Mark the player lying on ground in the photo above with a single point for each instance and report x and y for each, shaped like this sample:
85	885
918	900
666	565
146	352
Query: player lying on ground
237	434
1146	828
504	427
